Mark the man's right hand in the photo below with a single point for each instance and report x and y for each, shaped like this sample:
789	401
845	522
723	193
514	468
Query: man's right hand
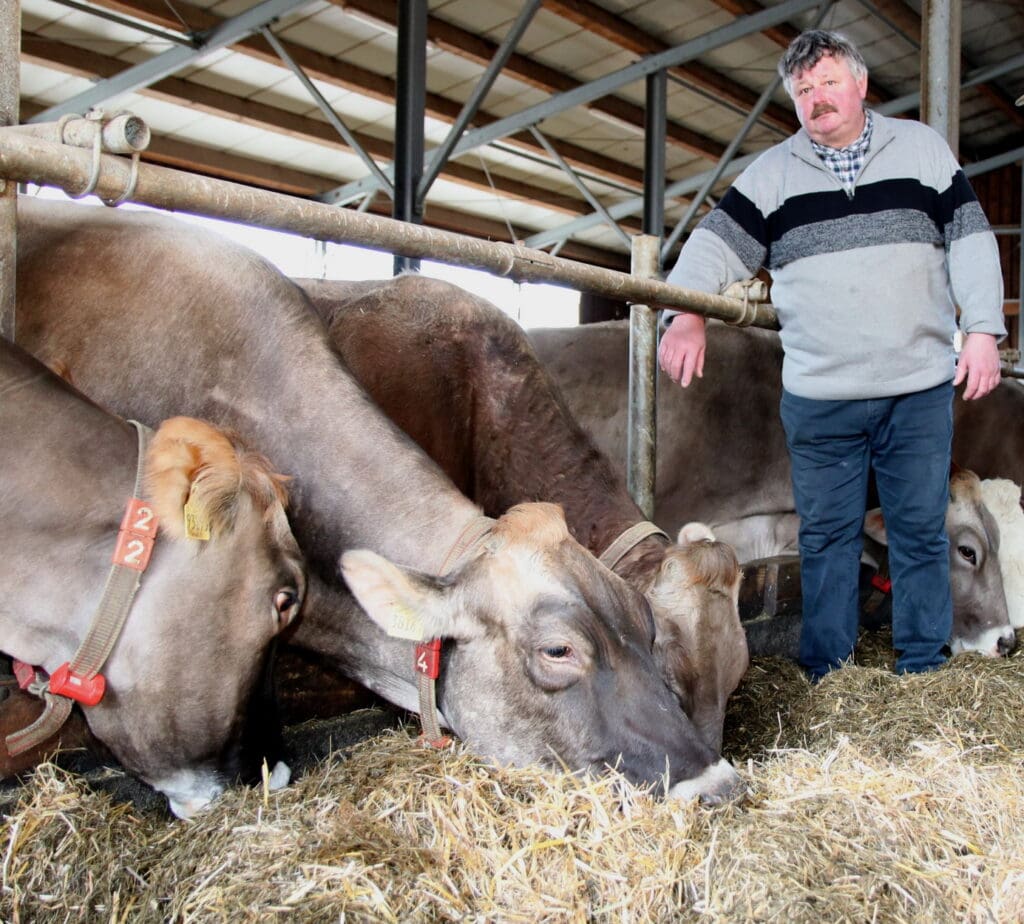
681	351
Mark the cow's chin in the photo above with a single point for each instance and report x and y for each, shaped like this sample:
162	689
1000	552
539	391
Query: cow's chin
189	791
719	783
992	643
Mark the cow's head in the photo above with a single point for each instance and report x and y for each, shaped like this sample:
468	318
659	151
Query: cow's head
700	644
549	657
980	619
196	640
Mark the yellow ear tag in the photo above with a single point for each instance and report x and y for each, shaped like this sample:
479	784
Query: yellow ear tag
197	523
404	623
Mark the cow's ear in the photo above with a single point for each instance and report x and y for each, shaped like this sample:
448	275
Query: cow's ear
403	602
695	532
874	526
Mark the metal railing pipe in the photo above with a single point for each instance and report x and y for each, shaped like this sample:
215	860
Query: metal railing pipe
34	160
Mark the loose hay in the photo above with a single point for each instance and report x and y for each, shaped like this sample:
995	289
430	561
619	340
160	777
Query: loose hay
872	797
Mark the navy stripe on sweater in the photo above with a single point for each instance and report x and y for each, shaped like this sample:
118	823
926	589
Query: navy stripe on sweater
882	213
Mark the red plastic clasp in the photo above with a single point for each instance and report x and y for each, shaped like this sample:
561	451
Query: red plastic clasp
881	583
87	691
428	658
24	673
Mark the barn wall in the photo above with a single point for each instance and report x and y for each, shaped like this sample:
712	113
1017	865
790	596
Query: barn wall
999	193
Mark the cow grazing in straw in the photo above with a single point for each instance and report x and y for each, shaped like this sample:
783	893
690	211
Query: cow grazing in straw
171	698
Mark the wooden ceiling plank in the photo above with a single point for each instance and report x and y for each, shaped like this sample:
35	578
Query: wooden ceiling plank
470	47
621	32
366	83
83	63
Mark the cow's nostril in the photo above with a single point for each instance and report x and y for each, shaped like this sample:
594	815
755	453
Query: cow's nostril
1006	644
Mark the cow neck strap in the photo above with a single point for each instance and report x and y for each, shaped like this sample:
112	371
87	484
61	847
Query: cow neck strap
628	540
79	679
427	663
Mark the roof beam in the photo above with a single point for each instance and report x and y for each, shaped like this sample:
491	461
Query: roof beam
901	17
691	184
620	31
627	75
169	152
601	87
465	45
227	32
366	83
81	62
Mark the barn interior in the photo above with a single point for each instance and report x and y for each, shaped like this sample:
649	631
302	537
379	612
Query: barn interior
567	127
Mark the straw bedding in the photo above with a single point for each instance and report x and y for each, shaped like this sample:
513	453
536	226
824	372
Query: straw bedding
872	798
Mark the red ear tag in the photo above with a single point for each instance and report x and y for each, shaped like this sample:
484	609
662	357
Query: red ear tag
88	692
428	658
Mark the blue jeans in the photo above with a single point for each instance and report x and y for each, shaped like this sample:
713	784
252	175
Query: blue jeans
832	446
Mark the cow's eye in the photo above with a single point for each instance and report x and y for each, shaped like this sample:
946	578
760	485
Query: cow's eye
286	606
557	652
967	554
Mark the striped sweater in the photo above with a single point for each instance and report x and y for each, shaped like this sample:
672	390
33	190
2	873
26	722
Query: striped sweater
864	282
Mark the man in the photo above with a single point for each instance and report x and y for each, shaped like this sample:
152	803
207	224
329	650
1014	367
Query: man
871	232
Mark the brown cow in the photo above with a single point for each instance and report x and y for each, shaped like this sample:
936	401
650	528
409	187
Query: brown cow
460	377
180	674
988	436
549	655
722	455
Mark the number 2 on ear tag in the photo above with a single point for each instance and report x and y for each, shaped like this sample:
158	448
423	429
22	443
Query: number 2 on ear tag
197	523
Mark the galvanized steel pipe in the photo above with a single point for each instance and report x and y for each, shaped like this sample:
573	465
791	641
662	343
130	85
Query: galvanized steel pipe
641	440
33	160
10	58
122	134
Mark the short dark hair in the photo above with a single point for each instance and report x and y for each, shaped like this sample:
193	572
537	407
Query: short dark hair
809	47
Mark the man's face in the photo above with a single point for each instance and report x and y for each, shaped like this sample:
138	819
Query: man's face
830	102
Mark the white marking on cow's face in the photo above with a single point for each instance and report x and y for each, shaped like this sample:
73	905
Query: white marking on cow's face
719	783
1002	497
188	791
980	618
992	643
279	777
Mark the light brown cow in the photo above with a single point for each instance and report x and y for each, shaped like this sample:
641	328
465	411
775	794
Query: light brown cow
460	377
722	455
549	655
181	673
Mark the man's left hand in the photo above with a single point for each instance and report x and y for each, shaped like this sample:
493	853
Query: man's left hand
978	365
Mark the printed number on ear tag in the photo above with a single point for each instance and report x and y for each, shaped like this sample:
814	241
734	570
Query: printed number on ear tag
404	623
197	523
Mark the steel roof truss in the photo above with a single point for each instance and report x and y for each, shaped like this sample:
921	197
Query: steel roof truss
172	60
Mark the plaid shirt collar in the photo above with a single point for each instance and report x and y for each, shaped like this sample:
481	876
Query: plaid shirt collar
846	162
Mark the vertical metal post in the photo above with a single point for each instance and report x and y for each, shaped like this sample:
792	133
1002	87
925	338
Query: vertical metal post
410	104
1015	340
10	63
642	423
940	68
641	441
654	154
